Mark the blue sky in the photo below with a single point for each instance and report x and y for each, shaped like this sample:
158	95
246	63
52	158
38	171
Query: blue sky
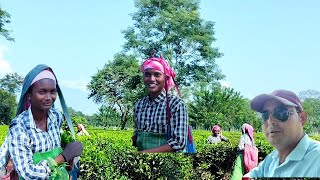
267	45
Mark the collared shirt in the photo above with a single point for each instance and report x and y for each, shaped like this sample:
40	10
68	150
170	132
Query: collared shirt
303	161
25	139
151	116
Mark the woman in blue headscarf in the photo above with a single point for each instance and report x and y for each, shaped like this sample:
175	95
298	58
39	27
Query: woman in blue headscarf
34	134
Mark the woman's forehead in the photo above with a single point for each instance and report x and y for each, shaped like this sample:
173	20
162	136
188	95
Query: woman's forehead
45	83
151	70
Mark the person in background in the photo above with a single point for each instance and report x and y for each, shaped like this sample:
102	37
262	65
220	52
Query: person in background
82	131
295	154
216	135
34	134
246	138
152	132
75	172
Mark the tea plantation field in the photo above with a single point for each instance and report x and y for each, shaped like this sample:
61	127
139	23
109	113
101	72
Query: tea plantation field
108	154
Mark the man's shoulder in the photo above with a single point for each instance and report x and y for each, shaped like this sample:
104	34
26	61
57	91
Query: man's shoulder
272	156
314	147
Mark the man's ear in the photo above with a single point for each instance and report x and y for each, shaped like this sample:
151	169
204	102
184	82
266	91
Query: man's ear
303	117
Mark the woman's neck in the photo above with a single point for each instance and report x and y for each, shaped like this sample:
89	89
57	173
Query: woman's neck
40	119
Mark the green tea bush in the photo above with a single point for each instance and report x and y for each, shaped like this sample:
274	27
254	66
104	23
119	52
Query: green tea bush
3	132
109	154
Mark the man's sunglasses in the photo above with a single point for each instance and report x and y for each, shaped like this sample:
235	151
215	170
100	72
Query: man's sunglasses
280	113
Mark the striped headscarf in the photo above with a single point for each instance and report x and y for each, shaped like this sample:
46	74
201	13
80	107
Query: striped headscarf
162	65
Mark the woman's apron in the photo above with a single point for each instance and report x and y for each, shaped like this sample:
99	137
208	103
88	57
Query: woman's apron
148	140
37	157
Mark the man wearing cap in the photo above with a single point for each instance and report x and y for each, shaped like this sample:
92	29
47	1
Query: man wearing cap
160	119
296	155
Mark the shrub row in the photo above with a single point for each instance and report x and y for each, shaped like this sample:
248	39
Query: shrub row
108	154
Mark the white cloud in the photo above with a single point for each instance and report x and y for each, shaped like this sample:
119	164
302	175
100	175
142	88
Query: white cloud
5	67
225	84
80	85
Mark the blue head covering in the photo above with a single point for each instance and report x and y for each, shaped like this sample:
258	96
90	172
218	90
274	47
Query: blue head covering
26	85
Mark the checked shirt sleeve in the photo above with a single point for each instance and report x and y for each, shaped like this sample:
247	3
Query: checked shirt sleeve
4	152
21	153
179	125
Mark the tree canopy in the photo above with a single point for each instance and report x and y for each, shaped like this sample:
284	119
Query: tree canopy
8	106
11	82
9	85
118	85
5	19
222	106
174	29
311	105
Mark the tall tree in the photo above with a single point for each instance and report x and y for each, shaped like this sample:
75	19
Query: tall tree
8	106
223	106
107	116
311	105
5	19
174	28
309	94
11	82
118	85
9	85
77	117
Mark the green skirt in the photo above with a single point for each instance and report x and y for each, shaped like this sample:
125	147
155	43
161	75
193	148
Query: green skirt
148	140
238	170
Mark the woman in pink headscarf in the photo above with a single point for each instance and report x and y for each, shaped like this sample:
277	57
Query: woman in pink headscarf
155	129
216	135
246	140
246	137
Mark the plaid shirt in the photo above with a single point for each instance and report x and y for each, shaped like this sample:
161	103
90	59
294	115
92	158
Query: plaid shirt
150	116
25	139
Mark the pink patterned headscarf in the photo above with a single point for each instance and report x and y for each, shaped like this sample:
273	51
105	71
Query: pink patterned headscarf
162	65
249	129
